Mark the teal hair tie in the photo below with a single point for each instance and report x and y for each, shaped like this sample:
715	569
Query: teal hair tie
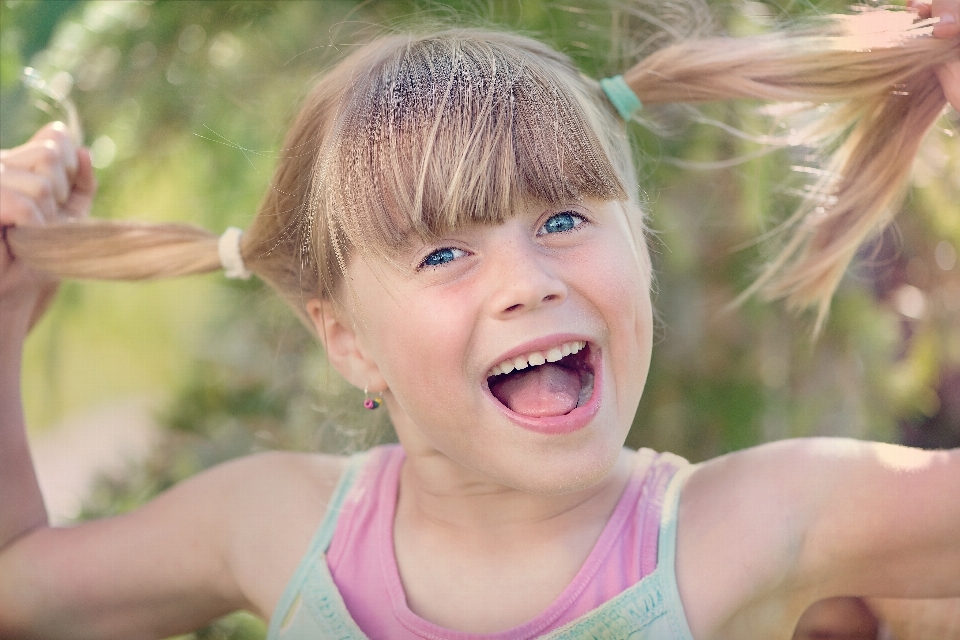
621	96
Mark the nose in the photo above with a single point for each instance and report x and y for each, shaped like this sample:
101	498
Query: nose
524	279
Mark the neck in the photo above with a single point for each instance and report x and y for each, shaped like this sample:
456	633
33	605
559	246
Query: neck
460	538
435	489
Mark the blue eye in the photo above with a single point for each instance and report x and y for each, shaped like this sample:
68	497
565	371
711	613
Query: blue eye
442	256
561	222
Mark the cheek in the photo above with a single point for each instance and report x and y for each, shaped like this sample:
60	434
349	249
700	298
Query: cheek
420	348
622	293
620	285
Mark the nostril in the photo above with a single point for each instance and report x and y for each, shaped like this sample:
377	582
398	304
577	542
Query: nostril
513	307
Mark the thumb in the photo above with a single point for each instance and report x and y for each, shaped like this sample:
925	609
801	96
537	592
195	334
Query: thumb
84	187
949	76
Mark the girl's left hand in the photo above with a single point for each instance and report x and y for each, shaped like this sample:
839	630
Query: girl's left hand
919	619
949	13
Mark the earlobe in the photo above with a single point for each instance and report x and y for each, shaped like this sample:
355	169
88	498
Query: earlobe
343	346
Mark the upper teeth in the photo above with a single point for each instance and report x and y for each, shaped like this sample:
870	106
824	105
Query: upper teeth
536	358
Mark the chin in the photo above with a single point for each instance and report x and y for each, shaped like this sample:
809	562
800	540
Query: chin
554	468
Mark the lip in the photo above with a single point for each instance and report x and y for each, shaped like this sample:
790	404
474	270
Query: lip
567	423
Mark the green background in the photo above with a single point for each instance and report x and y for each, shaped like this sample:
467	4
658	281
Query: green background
186	104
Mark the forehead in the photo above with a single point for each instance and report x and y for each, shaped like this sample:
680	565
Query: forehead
455	130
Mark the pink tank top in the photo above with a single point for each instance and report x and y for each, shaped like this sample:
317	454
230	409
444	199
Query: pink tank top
364	568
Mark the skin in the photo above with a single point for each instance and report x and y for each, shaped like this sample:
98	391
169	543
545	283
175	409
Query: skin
480	497
541	496
512	284
948	27
919	619
837	619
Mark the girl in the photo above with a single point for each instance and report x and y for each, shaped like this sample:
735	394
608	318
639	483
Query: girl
457	219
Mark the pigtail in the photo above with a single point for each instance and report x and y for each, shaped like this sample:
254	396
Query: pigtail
109	250
352	154
277	246
884	97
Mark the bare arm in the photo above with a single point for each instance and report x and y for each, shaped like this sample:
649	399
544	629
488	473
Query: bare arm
70	574
766	532
227	539
919	619
887	522
890	516
158	571
21	506
46	179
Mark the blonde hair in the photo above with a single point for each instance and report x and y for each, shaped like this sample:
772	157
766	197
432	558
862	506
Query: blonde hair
417	135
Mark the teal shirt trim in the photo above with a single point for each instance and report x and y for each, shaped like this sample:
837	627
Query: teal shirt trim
311	606
650	609
624	100
312	585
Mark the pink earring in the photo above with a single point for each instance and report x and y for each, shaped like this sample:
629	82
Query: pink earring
370	403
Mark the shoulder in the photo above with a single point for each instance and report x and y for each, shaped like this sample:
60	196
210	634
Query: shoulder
275	484
741	523
275	504
774	477
227	538
277	476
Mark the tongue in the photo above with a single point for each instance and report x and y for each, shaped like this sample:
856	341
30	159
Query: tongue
547	390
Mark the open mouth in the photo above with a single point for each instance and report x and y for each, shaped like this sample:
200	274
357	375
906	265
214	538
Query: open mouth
543	384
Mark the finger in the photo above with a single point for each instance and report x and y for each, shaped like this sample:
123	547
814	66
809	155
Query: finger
34	187
59	133
84	187
948	11
922	8
949	76
17	209
55	132
55	170
42	156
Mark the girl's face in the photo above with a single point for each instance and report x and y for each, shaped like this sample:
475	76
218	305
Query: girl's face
548	281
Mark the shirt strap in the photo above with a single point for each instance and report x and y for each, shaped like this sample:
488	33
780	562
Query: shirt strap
319	544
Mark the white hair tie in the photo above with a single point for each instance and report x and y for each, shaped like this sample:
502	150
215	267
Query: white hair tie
229	249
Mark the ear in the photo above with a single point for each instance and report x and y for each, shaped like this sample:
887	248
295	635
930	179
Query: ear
345	350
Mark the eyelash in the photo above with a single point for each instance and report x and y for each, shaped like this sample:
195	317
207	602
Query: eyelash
423	263
580	221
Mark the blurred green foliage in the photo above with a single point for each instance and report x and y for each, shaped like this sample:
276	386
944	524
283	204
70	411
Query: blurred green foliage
185	105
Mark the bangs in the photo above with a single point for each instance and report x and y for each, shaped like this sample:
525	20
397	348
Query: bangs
456	129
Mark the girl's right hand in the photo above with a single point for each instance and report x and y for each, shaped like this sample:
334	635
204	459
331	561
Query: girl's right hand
948	11
44	180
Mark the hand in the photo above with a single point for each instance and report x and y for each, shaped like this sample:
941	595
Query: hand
836	618
919	619
949	13
47	179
